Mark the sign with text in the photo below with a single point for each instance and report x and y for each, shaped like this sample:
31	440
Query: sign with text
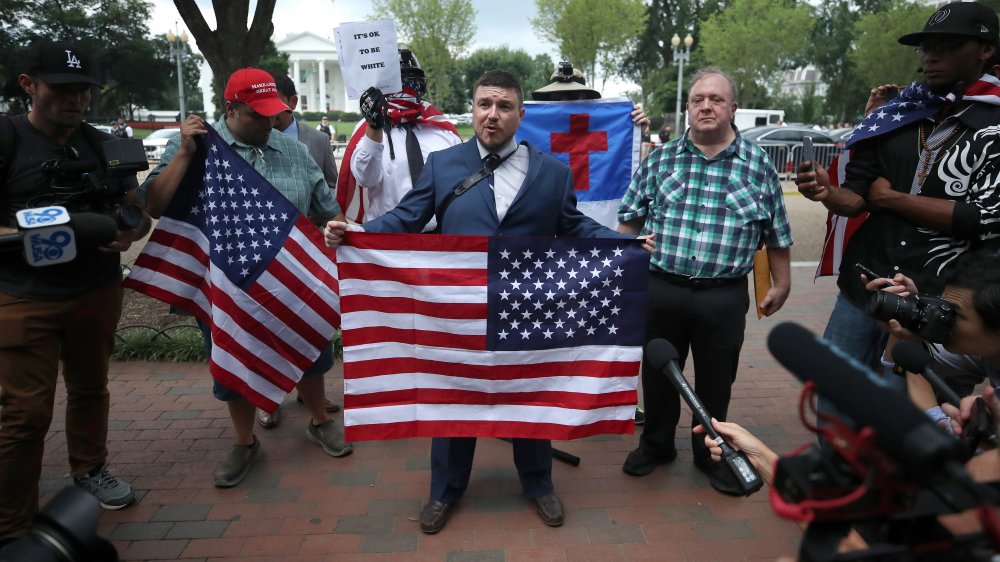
368	56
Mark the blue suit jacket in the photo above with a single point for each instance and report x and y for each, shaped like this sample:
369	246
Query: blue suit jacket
544	206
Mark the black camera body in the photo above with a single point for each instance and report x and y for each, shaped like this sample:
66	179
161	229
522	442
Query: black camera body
75	185
930	317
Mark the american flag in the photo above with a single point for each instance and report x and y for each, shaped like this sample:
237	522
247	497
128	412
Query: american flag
474	336
839	229
239	256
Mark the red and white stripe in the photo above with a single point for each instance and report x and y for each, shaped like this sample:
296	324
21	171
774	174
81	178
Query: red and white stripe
416	362
838	228
265	337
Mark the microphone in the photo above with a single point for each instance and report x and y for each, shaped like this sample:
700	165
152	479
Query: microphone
50	235
662	356
922	450
915	359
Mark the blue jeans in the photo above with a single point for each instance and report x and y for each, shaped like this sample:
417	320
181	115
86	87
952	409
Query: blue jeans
857	334
222	392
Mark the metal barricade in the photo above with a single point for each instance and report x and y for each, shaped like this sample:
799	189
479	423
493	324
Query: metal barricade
778	153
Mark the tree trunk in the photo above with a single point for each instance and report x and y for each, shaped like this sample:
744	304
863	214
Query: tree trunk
231	46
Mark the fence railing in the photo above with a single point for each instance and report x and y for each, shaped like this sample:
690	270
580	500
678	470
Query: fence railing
786	158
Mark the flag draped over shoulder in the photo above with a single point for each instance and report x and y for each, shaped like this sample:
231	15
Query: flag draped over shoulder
597	140
474	336
239	256
839	229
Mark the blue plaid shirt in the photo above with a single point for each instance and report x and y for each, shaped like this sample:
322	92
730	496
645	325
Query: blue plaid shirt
708	216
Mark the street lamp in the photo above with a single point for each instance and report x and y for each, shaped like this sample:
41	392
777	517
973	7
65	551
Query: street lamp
680	57
177	50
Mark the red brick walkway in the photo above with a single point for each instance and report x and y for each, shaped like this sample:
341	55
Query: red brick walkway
168	433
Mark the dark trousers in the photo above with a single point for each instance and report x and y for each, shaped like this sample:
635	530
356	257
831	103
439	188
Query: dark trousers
34	336
708	321
451	466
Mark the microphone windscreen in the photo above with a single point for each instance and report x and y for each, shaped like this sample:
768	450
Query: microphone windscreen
92	230
911	356
854	390
659	352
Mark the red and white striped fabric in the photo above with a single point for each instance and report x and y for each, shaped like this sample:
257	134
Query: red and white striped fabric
427	351
838	228
264	281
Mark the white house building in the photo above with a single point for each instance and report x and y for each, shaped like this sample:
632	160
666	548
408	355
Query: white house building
315	67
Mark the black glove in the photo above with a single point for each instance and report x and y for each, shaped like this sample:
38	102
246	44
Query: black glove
373	107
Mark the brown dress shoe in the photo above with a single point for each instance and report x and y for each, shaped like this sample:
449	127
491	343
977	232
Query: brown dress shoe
550	509
433	516
266	420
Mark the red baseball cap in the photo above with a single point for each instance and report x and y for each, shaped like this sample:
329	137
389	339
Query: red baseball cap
257	89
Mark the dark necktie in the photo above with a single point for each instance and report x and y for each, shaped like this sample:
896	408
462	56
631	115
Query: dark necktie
490	163
413	156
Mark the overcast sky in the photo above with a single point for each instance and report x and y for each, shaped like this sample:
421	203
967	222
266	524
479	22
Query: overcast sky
498	23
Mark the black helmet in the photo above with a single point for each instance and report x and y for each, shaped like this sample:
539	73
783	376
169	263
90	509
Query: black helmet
411	73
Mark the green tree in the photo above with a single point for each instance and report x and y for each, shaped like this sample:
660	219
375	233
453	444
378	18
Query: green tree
595	35
190	67
231	45
651	62
533	72
102	27
438	32
755	40
879	58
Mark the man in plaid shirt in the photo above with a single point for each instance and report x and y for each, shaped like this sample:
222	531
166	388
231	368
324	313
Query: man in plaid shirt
710	199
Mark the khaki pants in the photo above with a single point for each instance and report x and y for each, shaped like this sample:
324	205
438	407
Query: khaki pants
34	336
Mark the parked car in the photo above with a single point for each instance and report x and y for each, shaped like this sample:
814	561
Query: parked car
783	145
103	128
840	136
157	141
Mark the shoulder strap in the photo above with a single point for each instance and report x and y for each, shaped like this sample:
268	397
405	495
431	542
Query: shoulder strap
490	163
95	139
8	141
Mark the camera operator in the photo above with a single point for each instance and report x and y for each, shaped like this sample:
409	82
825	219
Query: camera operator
970	352
66	312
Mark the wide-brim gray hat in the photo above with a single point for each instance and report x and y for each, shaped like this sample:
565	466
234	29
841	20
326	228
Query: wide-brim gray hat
546	93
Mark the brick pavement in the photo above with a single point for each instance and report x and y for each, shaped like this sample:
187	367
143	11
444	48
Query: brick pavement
168	433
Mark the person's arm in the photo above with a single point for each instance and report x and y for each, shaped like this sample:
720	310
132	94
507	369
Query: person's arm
760	455
780	263
815	185
366	162
162	187
931	212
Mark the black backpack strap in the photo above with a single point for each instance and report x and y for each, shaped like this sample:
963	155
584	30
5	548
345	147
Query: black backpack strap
489	166
8	142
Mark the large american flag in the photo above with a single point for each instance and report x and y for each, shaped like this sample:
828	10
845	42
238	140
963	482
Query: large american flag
239	256
474	336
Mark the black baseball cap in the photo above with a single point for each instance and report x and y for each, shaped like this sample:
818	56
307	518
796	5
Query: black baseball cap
967	19
59	63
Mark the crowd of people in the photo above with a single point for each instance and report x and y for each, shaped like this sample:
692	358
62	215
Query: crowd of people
703	204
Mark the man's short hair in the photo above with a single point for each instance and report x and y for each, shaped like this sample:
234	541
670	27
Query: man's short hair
980	272
285	85
709	71
497	78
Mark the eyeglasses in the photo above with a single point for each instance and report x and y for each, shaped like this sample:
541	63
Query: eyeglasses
941	46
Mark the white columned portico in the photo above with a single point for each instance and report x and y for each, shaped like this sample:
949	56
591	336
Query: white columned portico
321	105
296	77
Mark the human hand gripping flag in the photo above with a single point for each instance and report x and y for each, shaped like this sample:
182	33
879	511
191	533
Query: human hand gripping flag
234	252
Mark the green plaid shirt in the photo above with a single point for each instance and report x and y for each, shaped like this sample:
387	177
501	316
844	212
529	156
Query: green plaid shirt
284	162
708	216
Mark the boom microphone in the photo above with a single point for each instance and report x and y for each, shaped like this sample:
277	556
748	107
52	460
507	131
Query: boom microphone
915	359
923	451
50	235
662	356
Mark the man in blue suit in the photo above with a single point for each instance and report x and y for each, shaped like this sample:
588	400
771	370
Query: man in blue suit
520	192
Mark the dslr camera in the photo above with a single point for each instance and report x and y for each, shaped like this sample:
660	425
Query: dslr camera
930	317
65	530
77	185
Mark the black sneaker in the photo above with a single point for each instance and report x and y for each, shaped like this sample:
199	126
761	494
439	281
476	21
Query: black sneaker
720	477
109	490
640	415
641	461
